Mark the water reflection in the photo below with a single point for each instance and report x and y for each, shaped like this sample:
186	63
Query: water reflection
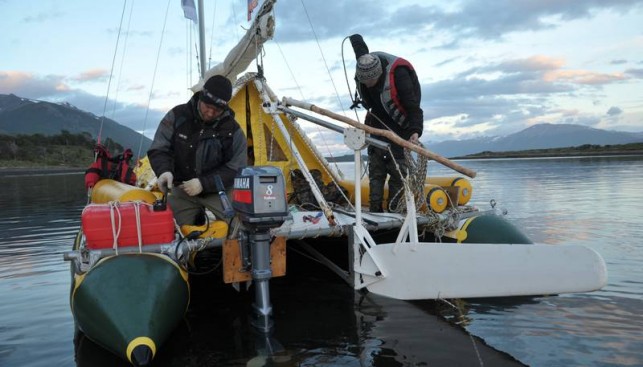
40	217
589	326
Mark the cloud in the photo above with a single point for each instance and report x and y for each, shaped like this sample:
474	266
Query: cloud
583	77
511	94
618	62
635	73
54	88
336	15
469	19
546	69
495	19
614	111
92	75
533	63
42	17
446	62
582	119
27	85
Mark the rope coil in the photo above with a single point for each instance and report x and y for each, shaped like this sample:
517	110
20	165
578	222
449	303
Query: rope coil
117	222
139	234
116	229
414	179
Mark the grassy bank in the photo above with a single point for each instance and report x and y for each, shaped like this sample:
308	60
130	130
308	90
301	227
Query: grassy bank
579	151
56	151
19	171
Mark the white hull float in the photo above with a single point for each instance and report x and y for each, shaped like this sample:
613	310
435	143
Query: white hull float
422	270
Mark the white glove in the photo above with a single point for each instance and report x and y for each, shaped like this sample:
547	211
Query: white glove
165	181
192	187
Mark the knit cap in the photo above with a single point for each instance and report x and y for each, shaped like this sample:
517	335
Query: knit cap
368	67
217	91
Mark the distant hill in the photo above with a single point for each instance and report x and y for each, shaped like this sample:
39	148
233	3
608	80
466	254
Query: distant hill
541	136
578	151
25	116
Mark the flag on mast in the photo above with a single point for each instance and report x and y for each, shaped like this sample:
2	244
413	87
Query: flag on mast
252	4
189	10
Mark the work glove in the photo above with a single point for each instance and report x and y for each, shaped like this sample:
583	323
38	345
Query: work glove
192	187
165	181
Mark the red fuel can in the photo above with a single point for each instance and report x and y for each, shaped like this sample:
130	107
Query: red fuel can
123	220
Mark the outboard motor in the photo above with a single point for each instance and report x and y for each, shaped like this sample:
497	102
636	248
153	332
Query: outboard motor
259	198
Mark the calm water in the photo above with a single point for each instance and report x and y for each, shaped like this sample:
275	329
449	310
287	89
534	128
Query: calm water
596	202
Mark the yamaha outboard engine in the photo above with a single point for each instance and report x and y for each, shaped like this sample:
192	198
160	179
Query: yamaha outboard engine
259	198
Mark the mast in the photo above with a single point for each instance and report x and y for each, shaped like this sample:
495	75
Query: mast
201	40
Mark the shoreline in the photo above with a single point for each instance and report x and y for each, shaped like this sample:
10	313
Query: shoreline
27	171
551	155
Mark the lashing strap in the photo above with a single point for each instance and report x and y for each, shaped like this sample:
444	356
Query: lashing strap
137	213
114	212
116	229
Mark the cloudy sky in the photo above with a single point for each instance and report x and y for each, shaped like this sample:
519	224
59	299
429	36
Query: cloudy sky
486	67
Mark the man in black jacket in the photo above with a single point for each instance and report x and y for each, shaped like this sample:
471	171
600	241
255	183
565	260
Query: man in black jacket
390	91
194	143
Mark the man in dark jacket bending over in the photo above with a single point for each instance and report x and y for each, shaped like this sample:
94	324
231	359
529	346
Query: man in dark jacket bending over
390	91
194	143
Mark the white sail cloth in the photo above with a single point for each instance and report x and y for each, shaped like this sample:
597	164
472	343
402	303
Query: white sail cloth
238	59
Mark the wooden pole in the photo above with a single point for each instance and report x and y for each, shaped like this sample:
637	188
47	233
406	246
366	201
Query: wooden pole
393	137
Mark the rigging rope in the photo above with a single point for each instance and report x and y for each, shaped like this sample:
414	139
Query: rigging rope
312	28
330	76
463	320
301	93
417	170
156	65
109	82
118	83
188	55
214	13
348	85
236	19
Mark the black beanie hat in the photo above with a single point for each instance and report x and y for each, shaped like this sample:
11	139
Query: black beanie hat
217	91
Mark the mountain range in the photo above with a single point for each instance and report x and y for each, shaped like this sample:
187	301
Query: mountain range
26	116
540	136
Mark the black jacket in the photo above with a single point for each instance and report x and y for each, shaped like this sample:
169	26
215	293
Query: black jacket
188	148
409	94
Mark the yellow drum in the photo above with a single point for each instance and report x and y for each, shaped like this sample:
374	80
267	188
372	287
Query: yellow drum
465	190
436	198
107	190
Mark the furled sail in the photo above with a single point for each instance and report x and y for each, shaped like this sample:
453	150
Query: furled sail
238	59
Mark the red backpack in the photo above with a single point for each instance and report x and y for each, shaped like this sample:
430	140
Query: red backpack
105	166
